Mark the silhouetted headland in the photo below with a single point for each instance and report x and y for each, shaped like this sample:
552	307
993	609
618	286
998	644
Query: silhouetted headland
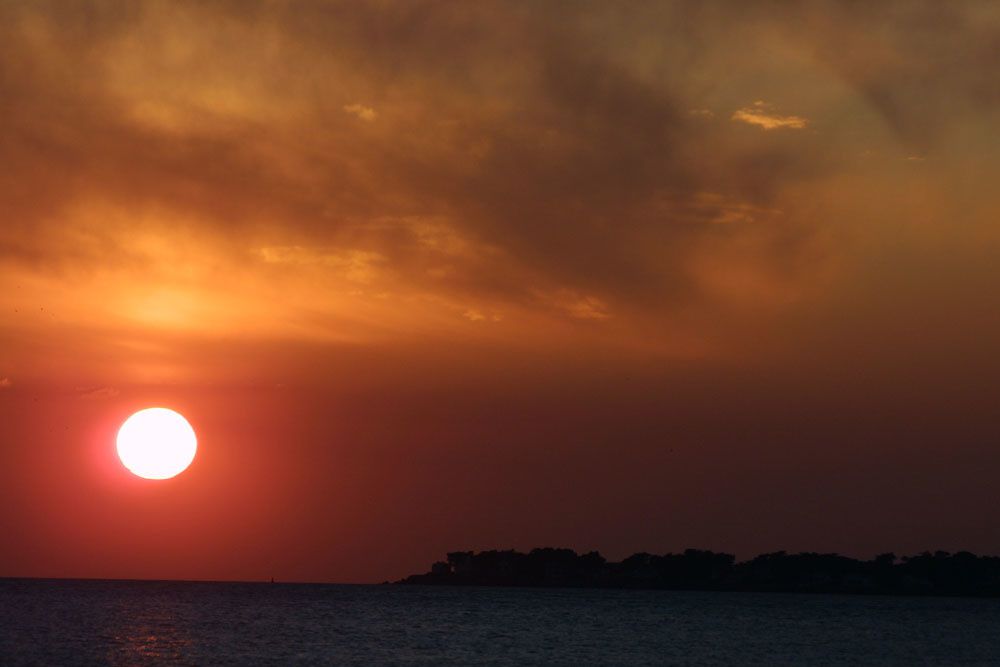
939	573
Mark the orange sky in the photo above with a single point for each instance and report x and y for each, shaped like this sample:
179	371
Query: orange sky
437	276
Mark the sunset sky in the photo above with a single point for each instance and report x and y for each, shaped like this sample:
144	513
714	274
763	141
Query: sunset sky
430	276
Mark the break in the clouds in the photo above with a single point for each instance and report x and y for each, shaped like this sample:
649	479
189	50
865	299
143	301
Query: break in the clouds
761	114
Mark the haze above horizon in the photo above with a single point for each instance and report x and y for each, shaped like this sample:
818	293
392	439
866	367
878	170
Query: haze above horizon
496	275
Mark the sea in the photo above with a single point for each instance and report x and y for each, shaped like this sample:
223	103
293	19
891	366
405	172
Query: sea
94	622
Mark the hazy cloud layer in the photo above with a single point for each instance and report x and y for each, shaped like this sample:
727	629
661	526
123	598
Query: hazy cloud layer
394	168
669	262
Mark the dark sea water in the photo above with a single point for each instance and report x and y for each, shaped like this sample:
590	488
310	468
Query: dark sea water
51	622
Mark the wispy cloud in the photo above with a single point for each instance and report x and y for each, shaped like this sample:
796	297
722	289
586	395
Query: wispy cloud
576	305
95	393
5	383
366	114
761	115
358	266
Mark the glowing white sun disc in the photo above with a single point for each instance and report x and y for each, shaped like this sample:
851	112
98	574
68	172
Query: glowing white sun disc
156	443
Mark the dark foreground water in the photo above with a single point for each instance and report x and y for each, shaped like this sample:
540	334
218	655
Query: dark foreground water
49	622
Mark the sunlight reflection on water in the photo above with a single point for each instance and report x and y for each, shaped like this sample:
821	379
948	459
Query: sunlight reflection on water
147	634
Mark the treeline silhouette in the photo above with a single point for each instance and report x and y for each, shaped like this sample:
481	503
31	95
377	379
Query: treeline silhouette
939	573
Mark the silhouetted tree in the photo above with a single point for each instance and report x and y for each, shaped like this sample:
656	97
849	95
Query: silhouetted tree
938	573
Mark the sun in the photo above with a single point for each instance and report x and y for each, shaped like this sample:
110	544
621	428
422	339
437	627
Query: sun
156	443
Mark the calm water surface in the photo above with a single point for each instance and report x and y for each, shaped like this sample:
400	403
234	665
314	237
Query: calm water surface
46	622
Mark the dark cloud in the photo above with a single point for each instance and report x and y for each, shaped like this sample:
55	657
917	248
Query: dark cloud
507	150
513	122
923	66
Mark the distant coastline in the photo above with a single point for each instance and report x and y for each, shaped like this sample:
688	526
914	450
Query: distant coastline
938	573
